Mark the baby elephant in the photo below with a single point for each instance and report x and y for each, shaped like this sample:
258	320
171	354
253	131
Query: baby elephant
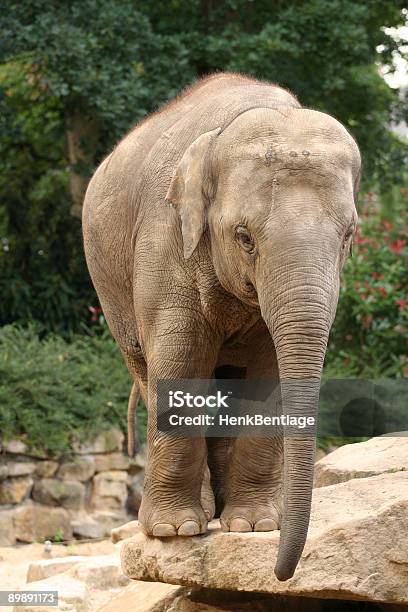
215	234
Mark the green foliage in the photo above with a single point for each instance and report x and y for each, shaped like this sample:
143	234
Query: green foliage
53	391
370	332
59	535
113	62
42	268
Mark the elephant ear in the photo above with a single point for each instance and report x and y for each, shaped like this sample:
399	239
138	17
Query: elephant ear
186	191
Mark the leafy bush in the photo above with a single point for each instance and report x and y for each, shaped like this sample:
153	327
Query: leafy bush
110	62
369	336
53	391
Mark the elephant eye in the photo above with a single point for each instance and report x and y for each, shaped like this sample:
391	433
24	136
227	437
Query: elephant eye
347	237
244	238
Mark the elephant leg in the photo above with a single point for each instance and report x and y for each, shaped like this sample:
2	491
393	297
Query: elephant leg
172	502
253	490
254	486
218	448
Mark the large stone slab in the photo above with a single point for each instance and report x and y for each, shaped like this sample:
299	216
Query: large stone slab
124	531
111	461
80	468
36	522
54	492
72	594
14	490
45	568
101	572
160	597
356	549
144	597
108	441
109	490
376	456
7	533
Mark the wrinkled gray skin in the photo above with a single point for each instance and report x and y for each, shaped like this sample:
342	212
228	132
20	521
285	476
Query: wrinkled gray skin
215	234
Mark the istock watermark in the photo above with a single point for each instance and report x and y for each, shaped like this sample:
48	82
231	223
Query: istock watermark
179	399
267	408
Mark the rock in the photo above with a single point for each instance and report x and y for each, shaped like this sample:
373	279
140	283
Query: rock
72	594
153	597
20	468
45	568
46	469
109	520
3	471
109	490
145	597
87	527
320	453
376	456
124	531
111	461
135	493
101	572
16	447
354	549
7	533
14	490
53	492
37	523
106	442
81	468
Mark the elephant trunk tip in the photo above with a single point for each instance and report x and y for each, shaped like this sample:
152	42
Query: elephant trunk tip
283	572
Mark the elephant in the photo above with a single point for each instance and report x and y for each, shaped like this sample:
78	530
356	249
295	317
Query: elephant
215	234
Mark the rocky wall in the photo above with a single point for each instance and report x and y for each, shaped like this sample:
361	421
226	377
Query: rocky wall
81	495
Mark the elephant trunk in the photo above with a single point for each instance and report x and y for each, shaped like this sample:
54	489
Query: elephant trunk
299	321
297	397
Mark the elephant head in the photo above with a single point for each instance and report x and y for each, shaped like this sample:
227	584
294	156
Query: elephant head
276	189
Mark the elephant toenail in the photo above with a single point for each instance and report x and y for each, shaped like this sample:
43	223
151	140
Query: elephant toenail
266	524
240	524
224	526
163	530
188	528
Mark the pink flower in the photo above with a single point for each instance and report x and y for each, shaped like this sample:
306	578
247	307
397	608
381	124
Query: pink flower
398	246
95	311
401	303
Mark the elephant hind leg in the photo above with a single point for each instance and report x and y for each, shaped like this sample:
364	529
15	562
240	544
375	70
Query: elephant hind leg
217	462
207	496
219	448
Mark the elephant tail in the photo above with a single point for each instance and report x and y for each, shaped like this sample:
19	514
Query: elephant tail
133	439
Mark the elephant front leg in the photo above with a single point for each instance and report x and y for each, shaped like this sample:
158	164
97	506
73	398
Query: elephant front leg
254	485
172	502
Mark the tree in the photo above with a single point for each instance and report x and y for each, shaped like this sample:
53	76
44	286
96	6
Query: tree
75	76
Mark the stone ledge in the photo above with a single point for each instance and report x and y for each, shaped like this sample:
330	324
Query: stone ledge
356	549
362	459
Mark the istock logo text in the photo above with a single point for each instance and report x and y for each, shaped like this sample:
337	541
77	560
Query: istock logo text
179	399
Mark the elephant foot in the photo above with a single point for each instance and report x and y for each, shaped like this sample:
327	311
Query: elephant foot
167	522
246	518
